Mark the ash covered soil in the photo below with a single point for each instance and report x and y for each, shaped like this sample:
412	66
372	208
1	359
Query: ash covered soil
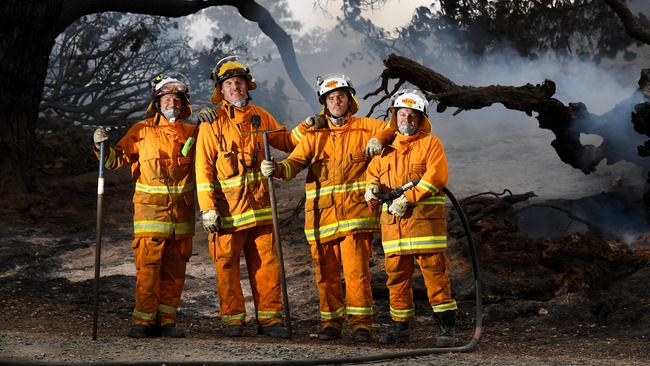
571	300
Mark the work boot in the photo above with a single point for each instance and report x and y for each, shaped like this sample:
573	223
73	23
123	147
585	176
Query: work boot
329	333
172	331
141	331
234	331
276	331
398	332
446	322
361	335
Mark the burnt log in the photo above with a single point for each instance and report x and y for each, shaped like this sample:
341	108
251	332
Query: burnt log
566	122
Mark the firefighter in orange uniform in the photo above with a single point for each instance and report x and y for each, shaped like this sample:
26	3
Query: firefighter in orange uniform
163	218
413	226
234	200
338	225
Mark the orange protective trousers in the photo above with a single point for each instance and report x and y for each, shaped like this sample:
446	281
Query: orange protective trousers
160	264
353	253
400	268
263	273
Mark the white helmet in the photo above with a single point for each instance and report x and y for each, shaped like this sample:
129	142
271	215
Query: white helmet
329	82
409	98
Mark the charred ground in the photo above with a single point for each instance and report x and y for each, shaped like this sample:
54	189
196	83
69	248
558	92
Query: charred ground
569	300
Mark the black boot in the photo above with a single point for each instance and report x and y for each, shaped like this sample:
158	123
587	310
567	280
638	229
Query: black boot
398	332
172	331
141	331
446	322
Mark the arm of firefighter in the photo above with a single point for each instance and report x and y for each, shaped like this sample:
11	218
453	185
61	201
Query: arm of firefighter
383	132
298	160
206	157
435	177
124	152
280	140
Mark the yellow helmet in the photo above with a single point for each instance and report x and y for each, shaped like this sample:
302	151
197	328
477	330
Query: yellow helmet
227	68
162	85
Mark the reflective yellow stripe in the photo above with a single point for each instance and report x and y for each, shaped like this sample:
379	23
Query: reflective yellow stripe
329	315
445	307
427	186
163	227
246	218
240	180
296	133
417	243
261	314
164	189
341	227
227	318
287	169
323	191
406	313
166	309
144	316
205	187
355	310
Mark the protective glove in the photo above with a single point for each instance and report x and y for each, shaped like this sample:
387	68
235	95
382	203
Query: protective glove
316	121
211	220
371	191
267	167
207	114
373	147
398	206
100	135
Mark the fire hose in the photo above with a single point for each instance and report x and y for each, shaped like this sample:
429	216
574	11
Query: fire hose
468	347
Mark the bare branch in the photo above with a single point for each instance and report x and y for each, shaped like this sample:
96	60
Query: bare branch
635	27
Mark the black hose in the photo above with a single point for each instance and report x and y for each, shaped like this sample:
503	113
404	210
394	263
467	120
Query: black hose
470	346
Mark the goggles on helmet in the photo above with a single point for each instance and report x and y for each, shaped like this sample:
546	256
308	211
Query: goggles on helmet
229	67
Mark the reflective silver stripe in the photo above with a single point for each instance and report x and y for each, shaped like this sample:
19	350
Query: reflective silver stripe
406	313
163	227
427	186
296	133
164	189
240	316
341	227
144	316
338	188
416	243
205	187
445	307
329	315
356	310
240	180
246	218
166	309
262	314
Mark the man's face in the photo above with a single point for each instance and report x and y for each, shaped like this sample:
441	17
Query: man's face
408	120
170	102
337	102
234	88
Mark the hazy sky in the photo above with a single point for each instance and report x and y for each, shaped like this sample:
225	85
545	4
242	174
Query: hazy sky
393	14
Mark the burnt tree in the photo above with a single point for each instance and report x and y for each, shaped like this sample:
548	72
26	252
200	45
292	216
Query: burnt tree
566	122
27	36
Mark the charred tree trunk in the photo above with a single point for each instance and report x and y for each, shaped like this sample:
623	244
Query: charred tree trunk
567	122
26	39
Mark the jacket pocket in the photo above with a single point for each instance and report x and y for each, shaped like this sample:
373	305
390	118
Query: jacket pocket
319	170
319	202
227	165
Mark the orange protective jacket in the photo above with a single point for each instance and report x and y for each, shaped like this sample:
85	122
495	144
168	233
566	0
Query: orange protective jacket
423	229
164	178
228	161
336	181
